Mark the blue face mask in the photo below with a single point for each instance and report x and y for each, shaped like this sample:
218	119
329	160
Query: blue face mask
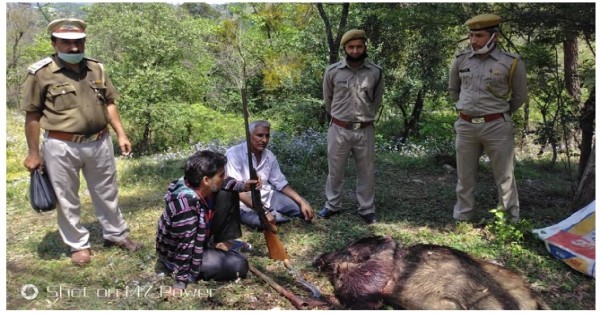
71	58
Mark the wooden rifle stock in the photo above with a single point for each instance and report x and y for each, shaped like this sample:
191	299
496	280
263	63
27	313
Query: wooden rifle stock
274	245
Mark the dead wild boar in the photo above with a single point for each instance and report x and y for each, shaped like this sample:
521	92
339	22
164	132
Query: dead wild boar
374	271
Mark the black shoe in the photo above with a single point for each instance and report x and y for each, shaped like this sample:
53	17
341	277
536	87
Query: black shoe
370	218
325	213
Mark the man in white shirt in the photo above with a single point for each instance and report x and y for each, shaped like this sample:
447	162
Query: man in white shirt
277	196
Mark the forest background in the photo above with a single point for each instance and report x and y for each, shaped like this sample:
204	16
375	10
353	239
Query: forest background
181	68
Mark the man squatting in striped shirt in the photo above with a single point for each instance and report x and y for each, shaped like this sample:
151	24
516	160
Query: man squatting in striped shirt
200	222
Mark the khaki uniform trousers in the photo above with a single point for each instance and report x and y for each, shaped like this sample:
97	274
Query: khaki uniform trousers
64	160
496	139
361	142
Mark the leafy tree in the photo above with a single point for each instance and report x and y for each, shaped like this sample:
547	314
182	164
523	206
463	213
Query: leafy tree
202	10
292	72
280	70
422	74
156	58
167	59
557	27
22	46
333	41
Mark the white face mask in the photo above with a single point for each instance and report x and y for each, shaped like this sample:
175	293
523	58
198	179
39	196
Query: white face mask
487	47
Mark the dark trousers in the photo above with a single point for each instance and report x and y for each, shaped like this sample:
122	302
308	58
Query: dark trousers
217	264
284	208
226	222
220	265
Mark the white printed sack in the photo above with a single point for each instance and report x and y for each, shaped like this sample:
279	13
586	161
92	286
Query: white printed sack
574	240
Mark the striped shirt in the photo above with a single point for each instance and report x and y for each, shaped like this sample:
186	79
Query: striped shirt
184	228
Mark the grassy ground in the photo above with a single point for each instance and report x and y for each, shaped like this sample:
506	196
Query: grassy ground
414	199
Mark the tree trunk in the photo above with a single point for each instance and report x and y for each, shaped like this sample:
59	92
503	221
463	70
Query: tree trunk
411	127
571	58
586	191
144	145
332	43
587	132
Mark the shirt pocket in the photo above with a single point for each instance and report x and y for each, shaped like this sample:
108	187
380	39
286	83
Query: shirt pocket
99	91
466	79
63	96
499	77
341	84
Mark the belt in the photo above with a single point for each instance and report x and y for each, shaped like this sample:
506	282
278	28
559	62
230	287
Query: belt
481	119
351	125
77	138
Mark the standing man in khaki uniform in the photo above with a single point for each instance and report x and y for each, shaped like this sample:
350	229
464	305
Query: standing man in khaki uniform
73	100
488	85
352	92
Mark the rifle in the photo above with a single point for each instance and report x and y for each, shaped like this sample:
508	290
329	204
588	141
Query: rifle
274	245
298	302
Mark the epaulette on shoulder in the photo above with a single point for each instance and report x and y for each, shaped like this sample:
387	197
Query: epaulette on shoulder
333	65
39	65
375	65
511	54
92	59
460	53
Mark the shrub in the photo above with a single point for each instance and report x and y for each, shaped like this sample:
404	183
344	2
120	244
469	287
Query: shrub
505	231
172	126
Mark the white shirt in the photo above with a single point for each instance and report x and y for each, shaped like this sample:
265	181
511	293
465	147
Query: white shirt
268	170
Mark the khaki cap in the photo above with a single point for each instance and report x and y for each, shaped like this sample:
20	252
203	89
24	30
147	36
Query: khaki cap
483	21
67	28
353	34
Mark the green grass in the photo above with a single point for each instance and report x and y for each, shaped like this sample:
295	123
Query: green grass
414	200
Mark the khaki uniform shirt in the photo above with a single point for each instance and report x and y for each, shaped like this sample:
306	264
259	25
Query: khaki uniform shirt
478	84
353	94
69	101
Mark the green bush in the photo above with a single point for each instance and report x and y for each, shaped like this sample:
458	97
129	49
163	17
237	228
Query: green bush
505	231
298	115
438	125
435	139
173	126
